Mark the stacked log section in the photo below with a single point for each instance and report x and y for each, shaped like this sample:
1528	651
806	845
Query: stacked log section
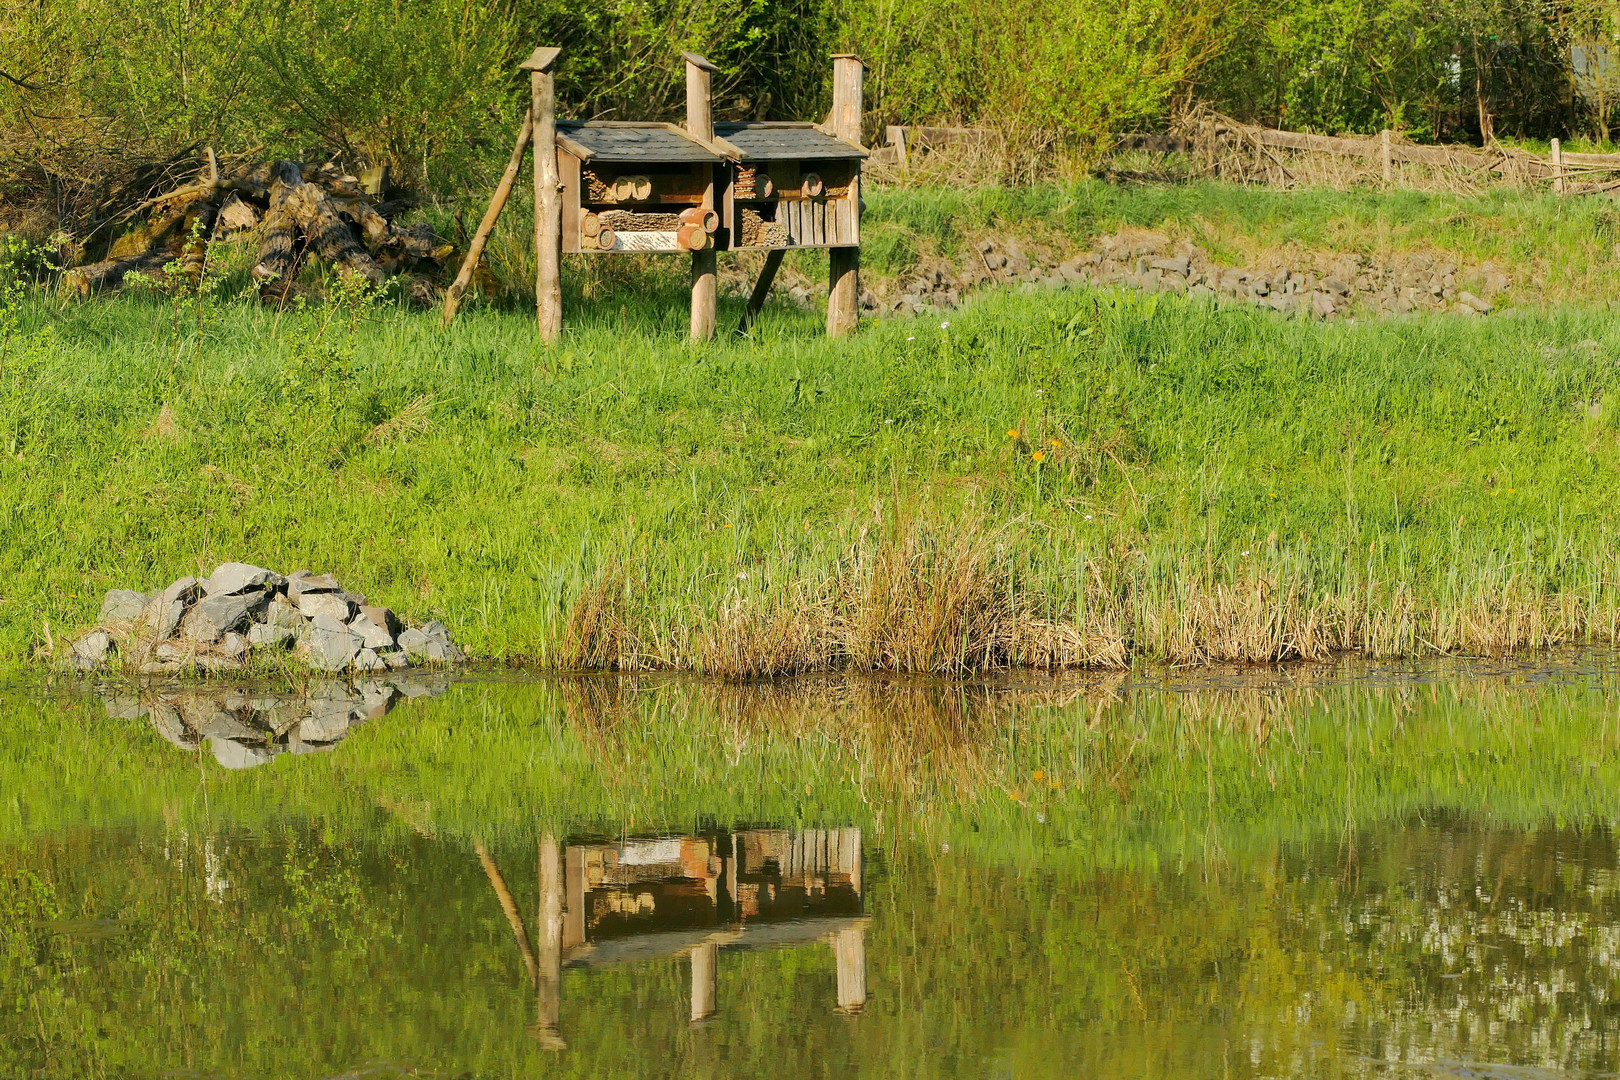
757	232
297	210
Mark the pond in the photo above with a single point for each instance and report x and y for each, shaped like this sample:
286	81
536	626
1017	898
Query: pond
1358	870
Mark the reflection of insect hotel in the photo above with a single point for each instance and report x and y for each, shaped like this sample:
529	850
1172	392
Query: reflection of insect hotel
694	896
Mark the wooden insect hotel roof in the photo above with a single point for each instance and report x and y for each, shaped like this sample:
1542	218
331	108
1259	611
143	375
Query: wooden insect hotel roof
782	141
608	140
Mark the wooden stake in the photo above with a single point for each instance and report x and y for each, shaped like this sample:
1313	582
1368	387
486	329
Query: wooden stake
1558	166
705	970
844	263
547	193
1389	163
503	191
509	906
549	927
762	289
705	264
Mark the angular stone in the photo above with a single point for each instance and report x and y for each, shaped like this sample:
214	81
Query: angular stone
234	577
270	636
92	650
1479	304
1321	304
368	660
279	612
1177	265
302	581
162	616
182	590
216	616
234	755
235	646
331	604
373	635
165	720
1337	286
436	629
123	605
328	644
167	652
396	660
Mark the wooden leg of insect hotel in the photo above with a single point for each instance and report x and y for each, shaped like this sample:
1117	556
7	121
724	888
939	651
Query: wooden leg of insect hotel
547	193
705	266
705	971
844	263
549	926
503	191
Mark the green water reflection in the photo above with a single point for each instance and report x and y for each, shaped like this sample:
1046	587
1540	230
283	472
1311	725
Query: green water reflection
1384	873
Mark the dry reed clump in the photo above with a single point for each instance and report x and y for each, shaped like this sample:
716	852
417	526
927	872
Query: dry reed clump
951	601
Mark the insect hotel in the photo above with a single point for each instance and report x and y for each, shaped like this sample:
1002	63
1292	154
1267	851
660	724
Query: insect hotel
638	187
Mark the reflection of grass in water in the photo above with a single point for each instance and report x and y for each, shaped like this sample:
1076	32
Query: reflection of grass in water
1120	777
368	941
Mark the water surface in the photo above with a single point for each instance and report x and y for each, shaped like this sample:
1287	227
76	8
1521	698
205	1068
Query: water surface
1370	871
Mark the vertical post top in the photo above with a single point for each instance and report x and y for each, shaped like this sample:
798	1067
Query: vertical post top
845	57
697	61
541	60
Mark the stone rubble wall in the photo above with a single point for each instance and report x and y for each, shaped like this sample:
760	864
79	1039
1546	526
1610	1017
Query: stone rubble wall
219	623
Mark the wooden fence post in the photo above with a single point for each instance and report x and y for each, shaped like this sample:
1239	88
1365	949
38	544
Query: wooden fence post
1558	166
1389	163
844	263
705	265
547	193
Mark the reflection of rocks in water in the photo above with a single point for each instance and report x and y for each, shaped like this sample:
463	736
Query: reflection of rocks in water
245	728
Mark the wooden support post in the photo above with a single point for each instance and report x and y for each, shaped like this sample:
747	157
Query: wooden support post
509	906
503	191
705	980
549	925
762	289
849	955
1384	155
844	264
1558	166
547	193
705	265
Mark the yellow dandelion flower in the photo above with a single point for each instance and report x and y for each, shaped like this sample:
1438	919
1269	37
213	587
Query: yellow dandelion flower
1057	445
727	525
1012	433
1016	795
1037	457
1040	774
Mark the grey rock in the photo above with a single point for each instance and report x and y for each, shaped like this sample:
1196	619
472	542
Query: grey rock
1178	265
167	652
1336	286
331	604
182	590
162	616
210	721
215	616
270	636
234	577
368	660
123	605
1479	304
396	660
302	581
1200	292
165	720
1054	282
235	646
373	635
1321	304
377	698
328	644
279	613
436	629
93	650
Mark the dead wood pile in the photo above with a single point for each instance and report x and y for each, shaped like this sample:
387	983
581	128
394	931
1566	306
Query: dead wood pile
296	211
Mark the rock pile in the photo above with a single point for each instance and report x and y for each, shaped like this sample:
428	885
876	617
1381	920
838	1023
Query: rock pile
218	622
1320	286
244	729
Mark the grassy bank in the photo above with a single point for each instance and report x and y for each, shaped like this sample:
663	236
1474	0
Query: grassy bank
1055	479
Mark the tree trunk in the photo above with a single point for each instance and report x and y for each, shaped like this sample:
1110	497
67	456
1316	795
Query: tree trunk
1487	134
332	239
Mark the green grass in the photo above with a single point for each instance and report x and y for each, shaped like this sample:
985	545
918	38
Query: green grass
1212	482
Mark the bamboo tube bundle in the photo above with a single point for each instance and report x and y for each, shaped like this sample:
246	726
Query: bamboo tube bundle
757	232
627	221
753	184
